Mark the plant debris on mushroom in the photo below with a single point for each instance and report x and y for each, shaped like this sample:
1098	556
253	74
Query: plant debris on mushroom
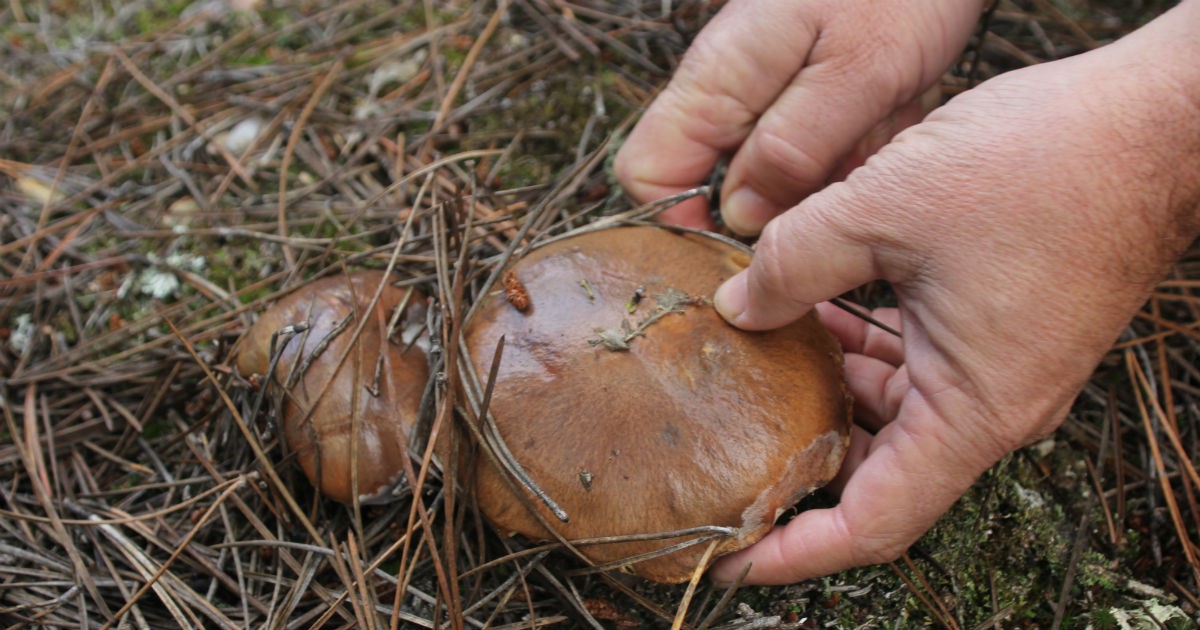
350	385
635	407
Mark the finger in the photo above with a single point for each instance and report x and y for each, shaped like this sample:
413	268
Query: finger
731	74
852	93
908	478
882	133
692	213
807	255
878	388
860	336
860	445
797	142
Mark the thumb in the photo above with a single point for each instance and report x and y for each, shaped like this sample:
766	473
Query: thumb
806	255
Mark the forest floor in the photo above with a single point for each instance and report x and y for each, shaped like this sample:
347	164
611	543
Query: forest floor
168	168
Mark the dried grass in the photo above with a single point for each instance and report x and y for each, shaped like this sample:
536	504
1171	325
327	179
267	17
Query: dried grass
163	176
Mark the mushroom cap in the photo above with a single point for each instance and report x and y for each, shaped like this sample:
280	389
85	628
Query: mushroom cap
696	423
365	403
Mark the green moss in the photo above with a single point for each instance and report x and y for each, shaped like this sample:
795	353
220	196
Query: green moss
157	426
158	16
454	57
1006	539
62	323
554	112
1093	573
1006	545
1103	620
251	58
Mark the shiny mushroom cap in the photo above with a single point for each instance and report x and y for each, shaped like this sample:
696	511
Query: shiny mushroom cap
629	400
346	397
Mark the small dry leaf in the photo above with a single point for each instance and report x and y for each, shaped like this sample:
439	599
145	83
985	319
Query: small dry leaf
605	610
514	291
37	191
249	6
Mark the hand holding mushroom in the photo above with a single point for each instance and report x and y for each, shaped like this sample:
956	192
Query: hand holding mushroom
1021	226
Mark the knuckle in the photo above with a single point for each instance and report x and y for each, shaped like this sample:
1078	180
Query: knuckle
870	546
773	294
785	158
880	551
771	271
875	343
623	167
874	542
715	114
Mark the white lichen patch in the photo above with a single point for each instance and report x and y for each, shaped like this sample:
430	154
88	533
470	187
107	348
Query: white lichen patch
395	72
1030	497
188	262
21	338
241	137
157	283
160	280
388	75
1151	615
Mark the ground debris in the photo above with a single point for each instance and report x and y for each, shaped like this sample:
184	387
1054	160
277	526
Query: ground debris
167	169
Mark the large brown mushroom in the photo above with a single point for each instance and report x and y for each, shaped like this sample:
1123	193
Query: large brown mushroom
344	398
634	406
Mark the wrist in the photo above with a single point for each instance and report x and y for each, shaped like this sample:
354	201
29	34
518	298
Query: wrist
1157	102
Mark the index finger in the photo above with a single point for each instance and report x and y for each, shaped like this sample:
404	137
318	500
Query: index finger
738	65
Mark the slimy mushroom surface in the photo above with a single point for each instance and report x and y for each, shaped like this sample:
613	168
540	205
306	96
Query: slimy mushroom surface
348	399
639	410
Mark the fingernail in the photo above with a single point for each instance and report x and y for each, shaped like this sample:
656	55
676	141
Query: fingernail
746	212
730	298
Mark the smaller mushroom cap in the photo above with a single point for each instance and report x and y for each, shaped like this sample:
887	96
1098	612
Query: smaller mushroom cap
356	397
628	399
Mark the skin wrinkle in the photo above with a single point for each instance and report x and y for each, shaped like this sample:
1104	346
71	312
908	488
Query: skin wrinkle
929	434
806	170
771	142
821	214
785	34
891	258
875	538
985	421
1021	226
716	52
724	117
872	408
866	553
932	378
768	246
978	389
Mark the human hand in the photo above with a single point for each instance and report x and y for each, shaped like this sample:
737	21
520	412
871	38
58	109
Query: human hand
796	92
1021	226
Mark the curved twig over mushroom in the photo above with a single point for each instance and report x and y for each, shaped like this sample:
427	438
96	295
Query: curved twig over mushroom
633	404
350	386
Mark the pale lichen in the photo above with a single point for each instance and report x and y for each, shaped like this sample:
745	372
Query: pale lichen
617	339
